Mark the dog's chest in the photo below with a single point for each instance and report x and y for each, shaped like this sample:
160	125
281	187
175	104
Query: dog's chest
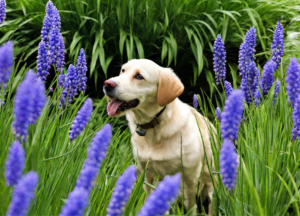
164	158
159	169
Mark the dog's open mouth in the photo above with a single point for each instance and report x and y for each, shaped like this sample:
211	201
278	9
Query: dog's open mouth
116	105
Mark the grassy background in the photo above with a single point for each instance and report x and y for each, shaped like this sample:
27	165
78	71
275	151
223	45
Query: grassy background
175	33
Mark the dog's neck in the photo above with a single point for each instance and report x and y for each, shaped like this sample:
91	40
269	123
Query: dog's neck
146	112
144	116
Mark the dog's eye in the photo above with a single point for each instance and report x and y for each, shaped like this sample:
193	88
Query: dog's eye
138	76
123	70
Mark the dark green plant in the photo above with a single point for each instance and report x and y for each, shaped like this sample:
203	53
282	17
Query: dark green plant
173	33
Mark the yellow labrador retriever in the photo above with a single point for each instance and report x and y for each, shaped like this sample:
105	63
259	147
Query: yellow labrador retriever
159	123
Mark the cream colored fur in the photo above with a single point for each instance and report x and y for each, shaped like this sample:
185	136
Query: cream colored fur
162	145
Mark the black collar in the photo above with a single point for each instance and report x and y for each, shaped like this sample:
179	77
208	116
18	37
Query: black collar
149	125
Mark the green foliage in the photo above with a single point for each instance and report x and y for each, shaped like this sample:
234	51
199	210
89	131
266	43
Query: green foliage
173	32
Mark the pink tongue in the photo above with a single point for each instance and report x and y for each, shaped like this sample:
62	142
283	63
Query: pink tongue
113	106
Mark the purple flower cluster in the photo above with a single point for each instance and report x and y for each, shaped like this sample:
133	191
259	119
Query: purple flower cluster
60	55
6	62
29	101
122	192
42	61
250	82
219	59
61	80
247	50
277	45
232	116
296	119
228	164
257	97
23	195
15	163
52	43
293	80
82	118
96	153
2	10
218	114
76	203
165	194
276	91
195	101
70	85
267	79
51	20
74	80
81	70
228	88
47	23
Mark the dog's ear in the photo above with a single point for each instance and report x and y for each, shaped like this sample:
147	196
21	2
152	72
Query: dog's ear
169	87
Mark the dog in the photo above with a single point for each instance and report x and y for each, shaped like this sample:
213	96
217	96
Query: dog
163	128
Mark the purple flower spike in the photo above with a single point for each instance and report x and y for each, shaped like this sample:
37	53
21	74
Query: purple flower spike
293	80
47	23
23	195
218	114
6	61
76	204
15	163
54	45
296	119
2	10
232	116
55	19
24	106
96	153
61	80
82	119
81	69
165	194
219	59
195	101
60	55
257	97
228	88
277	45
267	77
122	192
43	61
276	91
29	102
250	82
247	50
228	164
39	100
70	85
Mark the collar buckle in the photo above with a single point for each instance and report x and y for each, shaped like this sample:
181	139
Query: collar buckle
139	128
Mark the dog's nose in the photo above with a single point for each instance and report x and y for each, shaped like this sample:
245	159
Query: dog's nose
109	85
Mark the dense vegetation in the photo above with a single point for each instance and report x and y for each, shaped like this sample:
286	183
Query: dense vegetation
173	33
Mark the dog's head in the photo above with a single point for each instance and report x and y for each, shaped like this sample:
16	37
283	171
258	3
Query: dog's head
141	83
